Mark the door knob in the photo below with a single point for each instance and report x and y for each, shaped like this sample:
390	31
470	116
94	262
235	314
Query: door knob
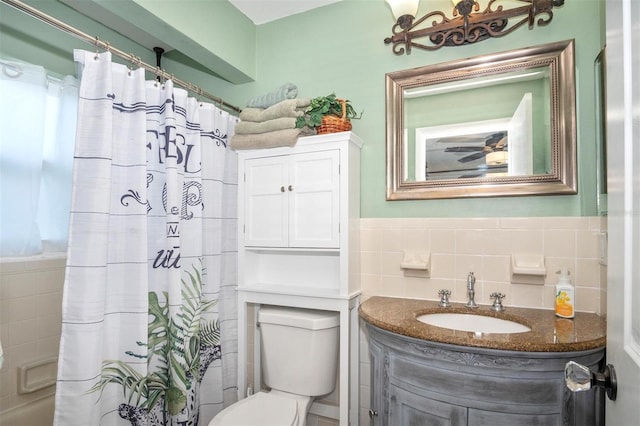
579	378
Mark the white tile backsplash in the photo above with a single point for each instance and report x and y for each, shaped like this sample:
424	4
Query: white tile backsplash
483	246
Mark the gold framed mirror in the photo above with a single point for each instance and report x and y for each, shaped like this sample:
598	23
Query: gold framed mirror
502	124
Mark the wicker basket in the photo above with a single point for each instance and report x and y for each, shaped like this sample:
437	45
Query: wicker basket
333	124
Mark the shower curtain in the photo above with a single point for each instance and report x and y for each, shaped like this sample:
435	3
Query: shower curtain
149	312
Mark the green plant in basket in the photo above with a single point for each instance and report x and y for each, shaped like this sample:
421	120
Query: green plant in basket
326	106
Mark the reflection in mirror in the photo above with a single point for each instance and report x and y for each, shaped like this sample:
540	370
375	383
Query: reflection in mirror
500	143
501	124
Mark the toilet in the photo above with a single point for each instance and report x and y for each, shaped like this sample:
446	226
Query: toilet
299	363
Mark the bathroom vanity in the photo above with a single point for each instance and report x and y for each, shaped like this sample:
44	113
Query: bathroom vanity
422	374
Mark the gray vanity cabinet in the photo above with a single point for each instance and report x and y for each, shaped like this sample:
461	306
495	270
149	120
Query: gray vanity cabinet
418	382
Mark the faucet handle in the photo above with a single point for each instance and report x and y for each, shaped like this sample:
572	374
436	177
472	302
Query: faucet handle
497	301
444	298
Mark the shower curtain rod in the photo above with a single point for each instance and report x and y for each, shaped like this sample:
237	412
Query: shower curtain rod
106	46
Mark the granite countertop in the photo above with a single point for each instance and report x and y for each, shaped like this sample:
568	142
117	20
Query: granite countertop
548	332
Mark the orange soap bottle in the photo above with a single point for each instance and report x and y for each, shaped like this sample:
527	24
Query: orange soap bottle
565	295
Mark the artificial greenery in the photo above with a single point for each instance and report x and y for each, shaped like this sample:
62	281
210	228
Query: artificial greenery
325	105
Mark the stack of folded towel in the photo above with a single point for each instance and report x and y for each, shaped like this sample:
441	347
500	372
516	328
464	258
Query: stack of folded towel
273	125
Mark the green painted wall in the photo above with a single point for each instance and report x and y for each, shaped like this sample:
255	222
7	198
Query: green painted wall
25	38
339	48
206	27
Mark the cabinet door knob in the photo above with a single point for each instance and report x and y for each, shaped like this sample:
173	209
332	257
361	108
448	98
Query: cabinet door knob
290	188
580	378
282	189
373	413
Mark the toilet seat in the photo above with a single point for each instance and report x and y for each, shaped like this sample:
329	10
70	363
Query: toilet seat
262	408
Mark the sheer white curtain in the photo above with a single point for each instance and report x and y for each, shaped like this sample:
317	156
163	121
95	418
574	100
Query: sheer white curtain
36	153
149	320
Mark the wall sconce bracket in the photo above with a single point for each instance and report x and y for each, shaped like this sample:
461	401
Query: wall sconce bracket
468	24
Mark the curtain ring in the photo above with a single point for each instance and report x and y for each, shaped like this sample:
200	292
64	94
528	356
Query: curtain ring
132	61
199	93
11	70
97	43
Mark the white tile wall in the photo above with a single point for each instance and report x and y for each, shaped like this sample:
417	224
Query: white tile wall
30	319
483	245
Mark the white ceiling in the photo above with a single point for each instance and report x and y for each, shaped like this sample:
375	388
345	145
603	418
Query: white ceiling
263	11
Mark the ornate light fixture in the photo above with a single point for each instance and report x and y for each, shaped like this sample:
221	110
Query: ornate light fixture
468	25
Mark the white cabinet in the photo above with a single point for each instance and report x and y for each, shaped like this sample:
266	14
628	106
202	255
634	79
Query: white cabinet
299	214
299	245
293	200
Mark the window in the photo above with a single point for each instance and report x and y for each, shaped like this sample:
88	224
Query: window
38	113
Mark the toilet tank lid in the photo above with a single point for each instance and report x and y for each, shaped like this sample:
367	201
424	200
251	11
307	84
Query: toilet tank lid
310	319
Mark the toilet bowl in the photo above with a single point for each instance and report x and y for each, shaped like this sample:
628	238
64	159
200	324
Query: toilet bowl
265	409
299	362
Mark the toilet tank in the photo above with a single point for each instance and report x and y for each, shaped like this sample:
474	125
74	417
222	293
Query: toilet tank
299	349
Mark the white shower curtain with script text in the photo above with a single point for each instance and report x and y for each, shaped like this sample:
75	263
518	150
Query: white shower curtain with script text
149	312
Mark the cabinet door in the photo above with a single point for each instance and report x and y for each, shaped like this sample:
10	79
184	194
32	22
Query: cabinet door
314	199
410	409
266	206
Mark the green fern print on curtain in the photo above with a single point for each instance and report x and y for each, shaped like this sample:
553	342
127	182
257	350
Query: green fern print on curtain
178	353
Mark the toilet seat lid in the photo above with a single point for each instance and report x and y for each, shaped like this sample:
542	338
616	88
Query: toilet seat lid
261	408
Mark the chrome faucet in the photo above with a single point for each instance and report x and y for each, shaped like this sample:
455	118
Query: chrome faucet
471	292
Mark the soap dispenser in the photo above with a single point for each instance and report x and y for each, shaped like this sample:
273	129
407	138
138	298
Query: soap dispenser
565	295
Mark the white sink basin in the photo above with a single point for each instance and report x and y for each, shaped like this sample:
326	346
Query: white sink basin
472	322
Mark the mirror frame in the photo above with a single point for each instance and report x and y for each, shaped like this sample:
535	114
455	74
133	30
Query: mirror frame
558	56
